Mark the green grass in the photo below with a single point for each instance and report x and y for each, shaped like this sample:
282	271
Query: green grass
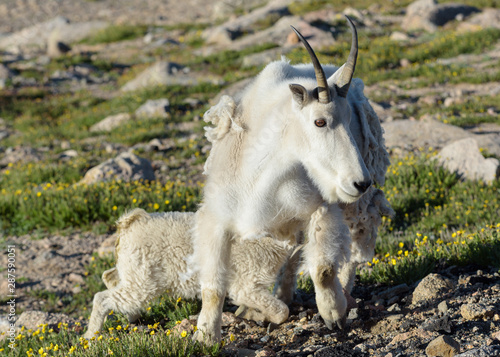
439	218
60	206
115	33
64	340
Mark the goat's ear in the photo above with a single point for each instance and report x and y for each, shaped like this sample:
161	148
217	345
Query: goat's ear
299	94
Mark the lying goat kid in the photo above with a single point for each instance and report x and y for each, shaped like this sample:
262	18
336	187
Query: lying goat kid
151	252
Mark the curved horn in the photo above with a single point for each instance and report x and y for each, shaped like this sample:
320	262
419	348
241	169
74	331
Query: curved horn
344	78
323	90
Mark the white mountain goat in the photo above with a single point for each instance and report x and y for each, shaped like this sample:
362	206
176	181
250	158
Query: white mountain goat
279	165
151	252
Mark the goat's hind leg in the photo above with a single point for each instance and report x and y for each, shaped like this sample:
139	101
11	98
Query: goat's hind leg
116	299
260	305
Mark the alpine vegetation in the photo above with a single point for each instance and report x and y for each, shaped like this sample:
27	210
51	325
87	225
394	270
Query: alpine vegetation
286	153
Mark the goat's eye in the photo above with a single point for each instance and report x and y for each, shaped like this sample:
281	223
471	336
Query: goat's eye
320	122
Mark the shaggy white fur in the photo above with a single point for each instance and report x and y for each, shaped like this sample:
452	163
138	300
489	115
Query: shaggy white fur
297	143
151	252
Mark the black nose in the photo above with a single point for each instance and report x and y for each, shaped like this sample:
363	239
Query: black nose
363	186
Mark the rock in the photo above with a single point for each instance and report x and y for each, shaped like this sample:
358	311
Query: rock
265	352
126	166
55	47
473	311
232	29
392	292
263	58
410	135
20	154
485	351
443	346
76	278
164	73
431	287
34	319
153	108
107	247
185	325
111	122
279	32
418	333
5	72
485	19
464	158
399	36
428	14
229	318
437	324
37	35
220	36
225	8
68	154
443	307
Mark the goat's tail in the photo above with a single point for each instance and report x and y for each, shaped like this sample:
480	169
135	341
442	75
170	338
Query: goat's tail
125	221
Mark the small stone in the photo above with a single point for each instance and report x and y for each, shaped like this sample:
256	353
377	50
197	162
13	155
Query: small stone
431	287
353	314
443	307
392	292
76	278
437	324
496	336
265	339
394	308
476	311
443	346
157	108
485	351
111	122
265	352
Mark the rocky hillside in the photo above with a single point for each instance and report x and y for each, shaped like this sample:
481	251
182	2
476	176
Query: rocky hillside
101	106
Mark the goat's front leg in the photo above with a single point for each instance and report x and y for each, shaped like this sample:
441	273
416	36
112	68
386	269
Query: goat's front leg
211	255
327	248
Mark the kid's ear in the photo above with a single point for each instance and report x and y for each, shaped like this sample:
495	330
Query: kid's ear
299	94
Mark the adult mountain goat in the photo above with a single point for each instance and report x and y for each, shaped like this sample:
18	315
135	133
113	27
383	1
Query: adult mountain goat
283	158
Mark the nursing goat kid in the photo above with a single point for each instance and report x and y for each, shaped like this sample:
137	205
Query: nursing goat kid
283	157
151	252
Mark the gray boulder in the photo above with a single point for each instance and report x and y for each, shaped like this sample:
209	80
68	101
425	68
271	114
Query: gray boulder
126	167
163	74
410	135
153	108
464	158
428	14
36	36
486	18
230	30
55	47
225	8
111	122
